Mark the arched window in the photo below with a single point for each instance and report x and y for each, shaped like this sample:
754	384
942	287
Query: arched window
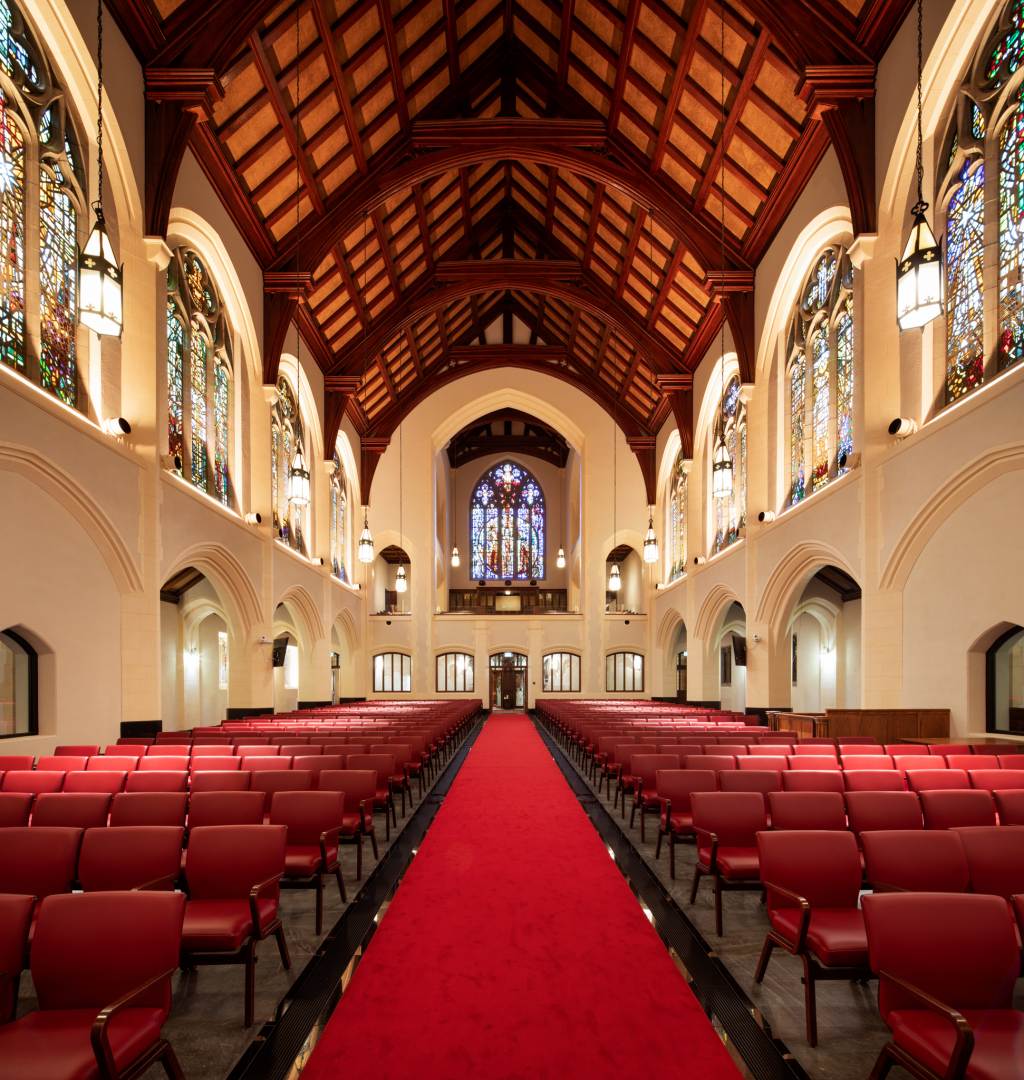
506	524
291	523
819	377
454	673
199	376
676	530
729	515
38	236
624	673
984	167
339	507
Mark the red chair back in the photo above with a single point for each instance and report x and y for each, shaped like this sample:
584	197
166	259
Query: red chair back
15	807
219	763
735	817
995	857
814	762
123	750
713	762
217	780
156	781
15	920
382	764
91	949
78	750
273	763
678	785
137	808
855	762
61	762
86	810
1010	805
315	764
875	780
906	762
34	783
214	750
169	750
307	814
937	780
271	781
216	808
127	858
104	782
758	763
165	763
244	750
357	785
870	810
812	780
955	809
997	779
38	861
821	866
16	762
646	767
973	761
976	965
117	763
817	810
916	861
763	781
224	862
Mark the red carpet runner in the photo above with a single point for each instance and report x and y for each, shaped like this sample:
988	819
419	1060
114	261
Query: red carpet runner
514	948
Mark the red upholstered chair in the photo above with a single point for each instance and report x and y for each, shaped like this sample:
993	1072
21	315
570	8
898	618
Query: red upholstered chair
208	808
101	966
123	750
220	763
133	857
315	764
313	819
764	781
814	762
79	750
848	748
768	750
233	875
813	780
15	808
399	777
948	749
86	810
383	765
295	748
1010	806
809	749
270	781
953	809
1011	761
855	762
156	781
949	1008
148	808
995	857
726	824
169	750
617	758
675	787
906	762
61	762
15	920
997	779
760	762
870	810
217	780
269	763
34	783
972	761
359	787
937	780
16	762
113	764
874	780
214	750
915	861
818	810
715	763
644	769
38	861
812	881
244	750
107	783
165	763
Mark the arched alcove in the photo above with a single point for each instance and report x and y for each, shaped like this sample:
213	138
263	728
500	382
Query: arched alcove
629	598
729	657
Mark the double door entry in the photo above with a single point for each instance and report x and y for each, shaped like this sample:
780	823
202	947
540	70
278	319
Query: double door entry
508	680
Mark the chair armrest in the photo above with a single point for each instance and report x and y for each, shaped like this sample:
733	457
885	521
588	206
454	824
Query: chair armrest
327	836
713	839
147	885
964	1045
805	912
99	1035
254	895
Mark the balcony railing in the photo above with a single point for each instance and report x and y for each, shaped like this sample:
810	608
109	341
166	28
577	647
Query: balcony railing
508	601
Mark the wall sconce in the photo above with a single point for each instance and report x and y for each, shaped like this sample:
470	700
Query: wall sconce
317	560
699	560
766	516
253	518
171	462
116	426
902	427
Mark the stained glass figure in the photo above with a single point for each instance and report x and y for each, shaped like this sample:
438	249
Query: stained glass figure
222	430
12	238
339	506
965	224
290	521
844	384
730	428
677	519
1011	238
58	280
507	525
820	407
797	407
197	399
1006	54
175	379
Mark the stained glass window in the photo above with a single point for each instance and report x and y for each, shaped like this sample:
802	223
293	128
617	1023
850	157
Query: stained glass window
286	431
730	514
12	237
820	376
339	505
507	525
965	247
199	377
1005	56
1011	238
58	258
677	519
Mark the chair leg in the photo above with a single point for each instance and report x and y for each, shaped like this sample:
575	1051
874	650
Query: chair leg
394	818
883	1064
697	875
718	905
282	948
341	884
169	1060
657	850
319	904
359	856
373	841
387	822
643	827
810	1002
250	983
632	815
766	955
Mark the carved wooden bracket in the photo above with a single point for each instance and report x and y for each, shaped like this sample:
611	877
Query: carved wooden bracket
336	398
734	290
283	289
644	447
370	450
679	391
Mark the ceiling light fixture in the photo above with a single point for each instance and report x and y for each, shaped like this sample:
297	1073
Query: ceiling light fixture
651	539
721	459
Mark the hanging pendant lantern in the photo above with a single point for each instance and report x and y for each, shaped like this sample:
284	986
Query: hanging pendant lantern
456	558
614	578
919	282
650	542
721	471
298	481
401	582
365	541
560	559
100	299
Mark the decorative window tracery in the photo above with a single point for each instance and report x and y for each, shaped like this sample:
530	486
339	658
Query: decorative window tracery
339	508
38	153
291	523
677	518
820	376
729	515
199	377
506	525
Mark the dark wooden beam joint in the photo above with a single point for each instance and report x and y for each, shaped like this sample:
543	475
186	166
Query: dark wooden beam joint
337	396
645	446
842	97
283	289
176	98
678	389
371	448
734	291
439	134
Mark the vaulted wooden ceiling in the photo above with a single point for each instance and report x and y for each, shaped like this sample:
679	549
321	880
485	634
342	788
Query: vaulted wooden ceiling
441	186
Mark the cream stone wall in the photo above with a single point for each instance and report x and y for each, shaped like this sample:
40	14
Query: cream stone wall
929	527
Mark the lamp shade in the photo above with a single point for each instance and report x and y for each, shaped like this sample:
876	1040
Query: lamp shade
99	282
401	582
560	559
614	578
721	472
298	480
919	275
650	543
365	549
456	558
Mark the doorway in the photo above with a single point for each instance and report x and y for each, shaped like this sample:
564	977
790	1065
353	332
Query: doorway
508	680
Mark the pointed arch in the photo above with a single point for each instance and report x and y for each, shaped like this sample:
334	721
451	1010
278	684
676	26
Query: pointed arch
507	524
228	577
717	602
298	600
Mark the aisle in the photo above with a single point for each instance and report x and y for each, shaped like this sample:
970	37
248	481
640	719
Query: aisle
514	948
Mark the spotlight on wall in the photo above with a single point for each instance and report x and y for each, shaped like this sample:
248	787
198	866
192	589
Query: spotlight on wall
317	560
116	426
849	461
253	518
172	462
699	560
766	515
902	426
